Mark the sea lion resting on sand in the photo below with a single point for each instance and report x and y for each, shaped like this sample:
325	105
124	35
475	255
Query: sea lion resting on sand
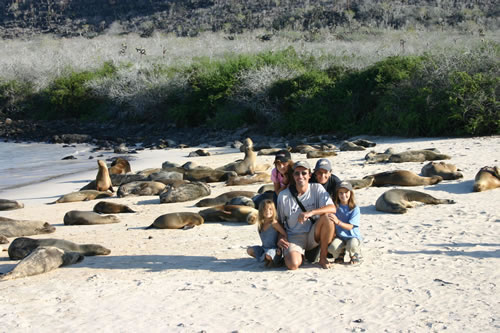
177	221
403	178
120	166
185	192
10	204
17	228
398	200
259	177
141	188
487	178
42	260
84	195
77	217
23	246
102	180
445	170
104	207
417	156
356	184
223	198
230	213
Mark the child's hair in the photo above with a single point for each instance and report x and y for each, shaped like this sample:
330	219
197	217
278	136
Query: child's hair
351	203
262	207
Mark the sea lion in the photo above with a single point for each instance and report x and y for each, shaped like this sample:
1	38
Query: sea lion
102	180
177	221
120	166
265	188
223	198
403	178
259	177
445	170
364	143
417	156
84	195
6	204
185	192
230	213
269	151
141	188
487	178
398	200
42	260
207	175
356	184
104	207
241	201
165	177
350	146
118	180
78	217
320	153
374	157
245	166
17	228
23	246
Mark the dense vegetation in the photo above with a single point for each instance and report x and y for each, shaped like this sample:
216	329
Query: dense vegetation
284	91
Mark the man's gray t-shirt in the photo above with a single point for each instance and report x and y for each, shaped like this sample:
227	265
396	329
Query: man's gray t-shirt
289	210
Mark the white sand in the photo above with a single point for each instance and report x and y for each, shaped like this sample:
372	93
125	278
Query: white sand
435	268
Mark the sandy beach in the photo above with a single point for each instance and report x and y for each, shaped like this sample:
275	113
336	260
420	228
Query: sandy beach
433	269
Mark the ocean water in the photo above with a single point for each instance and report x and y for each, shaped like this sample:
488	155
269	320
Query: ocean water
24	164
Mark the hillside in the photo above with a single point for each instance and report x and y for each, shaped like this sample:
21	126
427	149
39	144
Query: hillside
90	18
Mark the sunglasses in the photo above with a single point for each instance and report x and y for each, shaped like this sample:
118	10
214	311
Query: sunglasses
298	173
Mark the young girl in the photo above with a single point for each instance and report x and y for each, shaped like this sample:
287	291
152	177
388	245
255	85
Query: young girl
268	227
347	234
280	174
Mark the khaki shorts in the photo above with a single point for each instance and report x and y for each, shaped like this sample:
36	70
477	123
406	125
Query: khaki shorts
302	242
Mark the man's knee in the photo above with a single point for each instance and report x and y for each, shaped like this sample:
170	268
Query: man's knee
293	260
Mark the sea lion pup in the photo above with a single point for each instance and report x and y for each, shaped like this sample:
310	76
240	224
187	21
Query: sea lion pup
84	195
177	221
445	170
265	188
398	200
403	178
269	151
42	260
104	207
259	177
356	184
120	166
487	178
17	228
185	192
23	246
417	156
141	188
102	180
350	146
6	204
78	217
230	213
223	198
364	143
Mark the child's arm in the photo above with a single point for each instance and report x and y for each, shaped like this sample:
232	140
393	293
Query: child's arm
353	220
279	228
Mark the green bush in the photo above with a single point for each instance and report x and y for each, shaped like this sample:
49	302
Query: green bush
70	97
14	96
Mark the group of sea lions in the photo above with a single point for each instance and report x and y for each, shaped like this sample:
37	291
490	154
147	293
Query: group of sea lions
174	183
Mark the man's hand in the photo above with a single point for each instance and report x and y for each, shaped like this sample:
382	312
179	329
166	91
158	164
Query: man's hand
304	216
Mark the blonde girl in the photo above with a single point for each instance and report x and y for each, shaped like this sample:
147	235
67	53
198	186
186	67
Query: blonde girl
268	228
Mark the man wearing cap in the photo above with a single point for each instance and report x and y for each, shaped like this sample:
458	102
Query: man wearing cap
323	175
309	227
